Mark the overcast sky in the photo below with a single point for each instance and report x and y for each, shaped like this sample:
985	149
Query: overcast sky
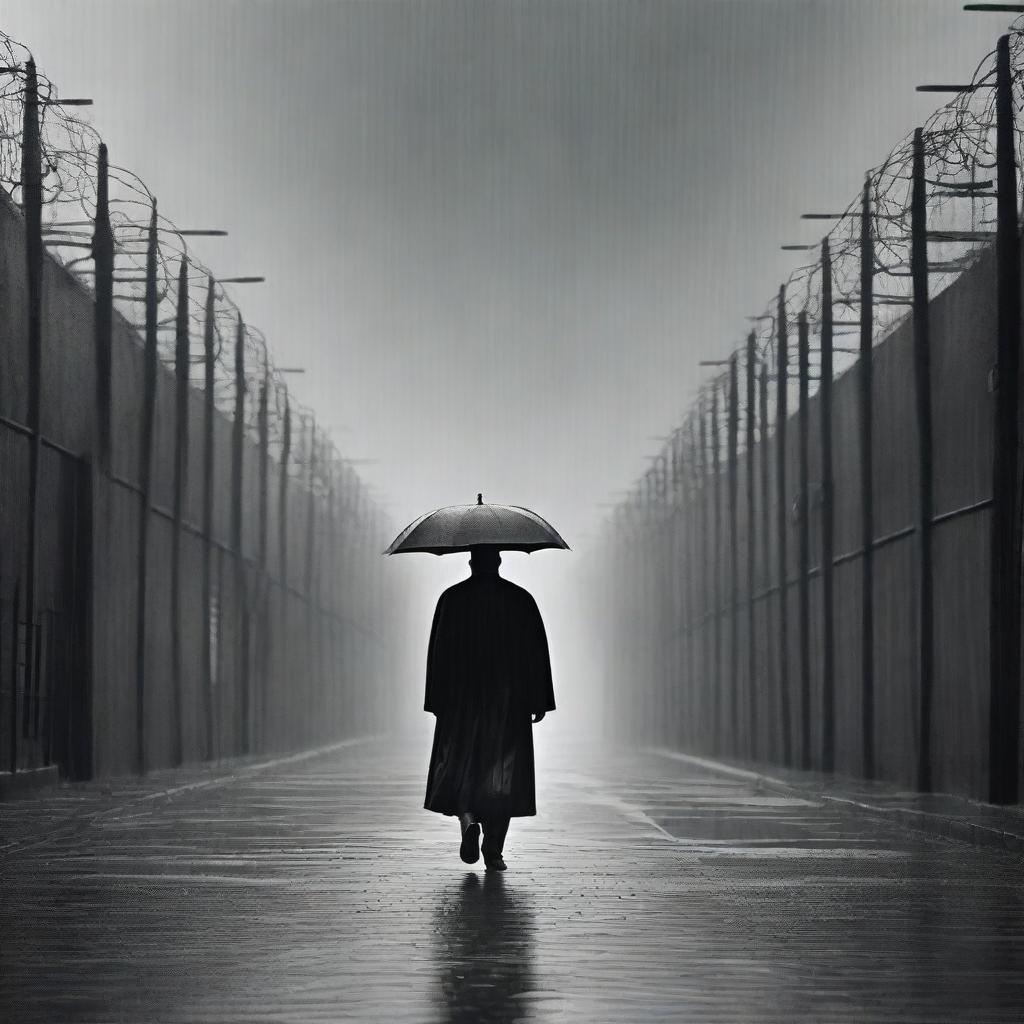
500	235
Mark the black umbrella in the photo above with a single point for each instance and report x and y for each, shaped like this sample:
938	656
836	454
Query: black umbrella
462	527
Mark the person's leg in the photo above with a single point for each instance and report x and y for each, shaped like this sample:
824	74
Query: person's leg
469	851
495	830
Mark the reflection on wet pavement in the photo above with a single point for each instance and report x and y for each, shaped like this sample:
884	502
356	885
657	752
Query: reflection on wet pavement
645	890
483	950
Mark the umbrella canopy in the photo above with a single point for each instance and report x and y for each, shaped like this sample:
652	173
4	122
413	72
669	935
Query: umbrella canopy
462	527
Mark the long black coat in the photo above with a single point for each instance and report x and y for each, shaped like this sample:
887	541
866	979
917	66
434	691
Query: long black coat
488	671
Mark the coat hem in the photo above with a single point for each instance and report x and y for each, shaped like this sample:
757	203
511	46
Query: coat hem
455	814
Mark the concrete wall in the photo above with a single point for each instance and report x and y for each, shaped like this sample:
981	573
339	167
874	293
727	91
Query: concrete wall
679	651
318	665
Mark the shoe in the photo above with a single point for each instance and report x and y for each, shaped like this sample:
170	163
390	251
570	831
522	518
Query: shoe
469	851
495	863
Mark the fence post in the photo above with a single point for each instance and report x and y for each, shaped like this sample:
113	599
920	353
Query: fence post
766	574
241	584
676	619
676	568
282	497
716	484
334	577
694	584
751	413
181	395
32	208
707	582
282	540
209	364
828	640
922	394
103	258
804	543
781	402
312	605
645	604
659	595
310	512
681	571
237	434
1005	561
145	488
734	545
656	604
263	643
263	428
669	609
867	487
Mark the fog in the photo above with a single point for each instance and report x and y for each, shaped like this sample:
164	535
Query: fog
500	236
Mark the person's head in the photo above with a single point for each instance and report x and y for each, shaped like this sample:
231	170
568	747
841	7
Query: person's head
484	558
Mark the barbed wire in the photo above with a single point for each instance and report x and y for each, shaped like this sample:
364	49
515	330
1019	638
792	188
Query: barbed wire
959	149
70	148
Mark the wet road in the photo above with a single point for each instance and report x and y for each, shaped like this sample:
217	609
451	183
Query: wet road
646	890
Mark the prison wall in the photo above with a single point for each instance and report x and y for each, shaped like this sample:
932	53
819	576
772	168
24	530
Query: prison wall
313	664
676	617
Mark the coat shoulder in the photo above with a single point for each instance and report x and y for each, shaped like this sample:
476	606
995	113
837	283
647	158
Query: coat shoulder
453	591
516	591
519	598
468	589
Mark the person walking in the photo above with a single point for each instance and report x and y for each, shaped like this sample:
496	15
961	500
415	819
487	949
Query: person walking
488	682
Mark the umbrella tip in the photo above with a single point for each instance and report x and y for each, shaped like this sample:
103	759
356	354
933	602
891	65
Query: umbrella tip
479	498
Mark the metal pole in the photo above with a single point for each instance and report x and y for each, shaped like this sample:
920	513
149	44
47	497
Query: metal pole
763	452
263	427
237	434
32	207
282	499
645	603
263	641
312	615
103	258
684	573
676	567
828	682
734	555
751	413
695	499
867	488
716	483
804	546
1005	561
782	371
310	512
922	393
145	488
658	595
707	728
241	587
656	605
181	396
283	640
332	593
667	569
209	364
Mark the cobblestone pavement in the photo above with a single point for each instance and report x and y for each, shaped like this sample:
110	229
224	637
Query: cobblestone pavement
647	889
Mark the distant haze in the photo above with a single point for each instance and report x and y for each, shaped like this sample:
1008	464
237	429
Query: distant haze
500	236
